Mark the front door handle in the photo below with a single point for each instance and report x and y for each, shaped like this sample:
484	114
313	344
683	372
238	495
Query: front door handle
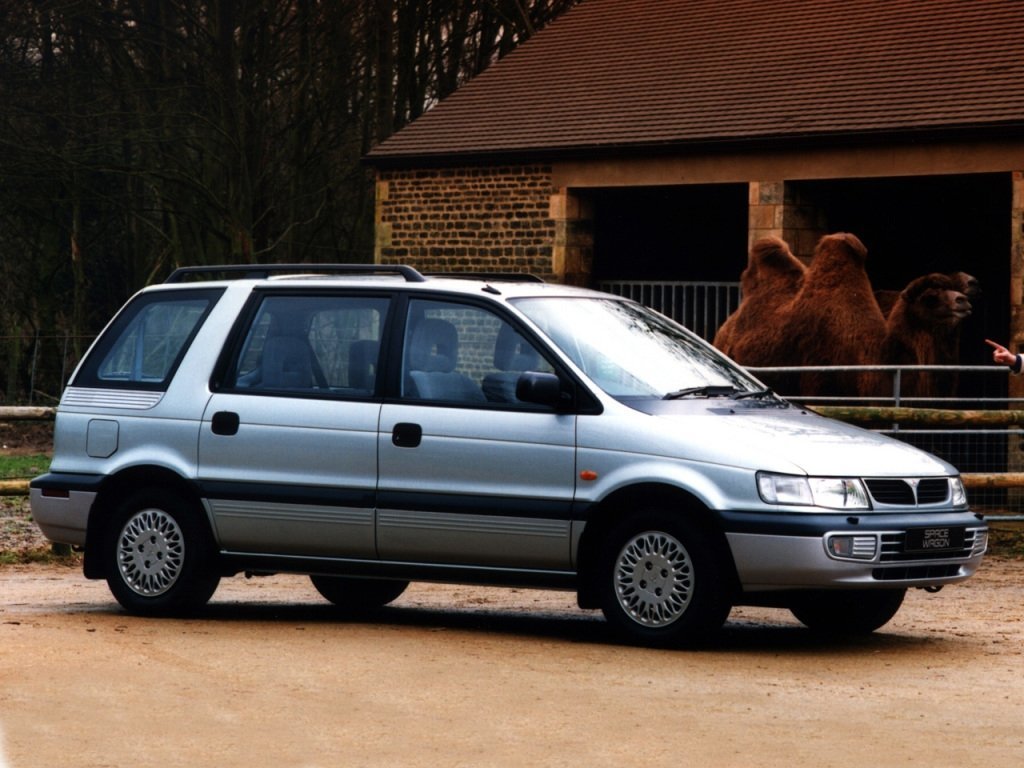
406	435
224	423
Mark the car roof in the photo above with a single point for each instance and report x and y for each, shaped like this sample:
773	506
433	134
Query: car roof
505	284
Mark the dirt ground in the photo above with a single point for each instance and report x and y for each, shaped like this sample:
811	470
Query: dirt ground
26	437
269	675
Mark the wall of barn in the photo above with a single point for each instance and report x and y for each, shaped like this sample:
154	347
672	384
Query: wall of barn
507	218
1017	278
781	209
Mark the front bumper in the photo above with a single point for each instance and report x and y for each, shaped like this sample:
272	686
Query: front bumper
61	504
778	552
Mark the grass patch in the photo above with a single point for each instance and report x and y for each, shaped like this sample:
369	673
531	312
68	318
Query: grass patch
41	555
23	467
1006	539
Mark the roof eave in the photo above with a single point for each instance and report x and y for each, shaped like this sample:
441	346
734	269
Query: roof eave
716	145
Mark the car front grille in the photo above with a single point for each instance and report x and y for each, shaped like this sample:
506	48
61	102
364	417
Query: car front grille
900	492
894	549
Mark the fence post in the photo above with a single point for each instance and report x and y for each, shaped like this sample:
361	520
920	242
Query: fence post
64	362
32	371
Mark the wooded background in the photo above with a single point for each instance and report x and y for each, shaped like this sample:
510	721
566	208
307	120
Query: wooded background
141	135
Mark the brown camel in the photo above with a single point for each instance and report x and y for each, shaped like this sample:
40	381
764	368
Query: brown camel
834	318
770	281
923	328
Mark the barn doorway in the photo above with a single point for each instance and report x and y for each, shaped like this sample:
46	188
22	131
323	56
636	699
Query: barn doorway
696	232
678	249
912	226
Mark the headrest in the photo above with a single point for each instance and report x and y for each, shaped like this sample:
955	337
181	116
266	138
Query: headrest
512	352
434	346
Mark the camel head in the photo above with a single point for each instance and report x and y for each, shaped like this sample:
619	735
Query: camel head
934	300
968	285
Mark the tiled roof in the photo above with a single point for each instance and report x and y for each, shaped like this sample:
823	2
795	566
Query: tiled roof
610	75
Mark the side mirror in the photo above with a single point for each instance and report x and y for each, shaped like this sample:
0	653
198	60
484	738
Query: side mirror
540	388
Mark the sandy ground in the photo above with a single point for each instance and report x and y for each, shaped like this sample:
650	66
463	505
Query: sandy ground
269	675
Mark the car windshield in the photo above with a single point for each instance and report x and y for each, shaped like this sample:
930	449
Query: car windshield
633	352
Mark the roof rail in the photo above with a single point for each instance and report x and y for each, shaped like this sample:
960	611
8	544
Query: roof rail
491	277
260	271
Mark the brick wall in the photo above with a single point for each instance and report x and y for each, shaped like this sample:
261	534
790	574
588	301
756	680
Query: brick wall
782	209
467	219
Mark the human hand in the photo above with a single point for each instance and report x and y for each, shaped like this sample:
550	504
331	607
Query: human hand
1001	354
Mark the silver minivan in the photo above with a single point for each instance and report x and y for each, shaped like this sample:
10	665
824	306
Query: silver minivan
370	426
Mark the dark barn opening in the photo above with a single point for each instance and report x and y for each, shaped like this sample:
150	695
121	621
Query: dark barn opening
696	232
678	249
912	226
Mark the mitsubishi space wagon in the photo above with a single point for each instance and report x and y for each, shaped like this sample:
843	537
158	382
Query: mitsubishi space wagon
369	426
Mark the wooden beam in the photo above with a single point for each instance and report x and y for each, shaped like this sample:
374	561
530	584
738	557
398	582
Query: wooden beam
26	413
928	417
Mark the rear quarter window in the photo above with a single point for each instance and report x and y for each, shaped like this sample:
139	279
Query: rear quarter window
144	345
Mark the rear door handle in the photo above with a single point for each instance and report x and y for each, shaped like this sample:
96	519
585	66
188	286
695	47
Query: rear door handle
406	435
224	423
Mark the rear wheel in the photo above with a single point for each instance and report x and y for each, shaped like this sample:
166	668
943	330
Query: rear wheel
158	555
847	612
358	595
663	581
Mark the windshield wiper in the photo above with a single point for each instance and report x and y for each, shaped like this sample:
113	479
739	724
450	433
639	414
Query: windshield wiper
708	390
757	394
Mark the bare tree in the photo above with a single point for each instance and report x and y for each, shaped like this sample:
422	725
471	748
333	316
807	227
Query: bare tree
140	135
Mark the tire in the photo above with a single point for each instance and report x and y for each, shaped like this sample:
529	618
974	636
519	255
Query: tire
159	556
847	612
358	595
663	581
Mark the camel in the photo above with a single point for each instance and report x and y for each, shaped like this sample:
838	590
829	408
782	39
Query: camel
828	314
923	328
833	319
772	278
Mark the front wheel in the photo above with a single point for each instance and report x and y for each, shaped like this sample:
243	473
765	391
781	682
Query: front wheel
847	612
663	581
158	555
358	595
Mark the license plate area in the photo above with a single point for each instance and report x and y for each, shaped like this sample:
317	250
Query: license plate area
936	539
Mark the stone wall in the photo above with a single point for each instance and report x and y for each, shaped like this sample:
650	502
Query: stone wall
783	209
497	219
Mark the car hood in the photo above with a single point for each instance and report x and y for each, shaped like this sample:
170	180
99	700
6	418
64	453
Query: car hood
778	438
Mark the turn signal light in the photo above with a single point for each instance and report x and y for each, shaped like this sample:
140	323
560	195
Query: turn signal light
852	547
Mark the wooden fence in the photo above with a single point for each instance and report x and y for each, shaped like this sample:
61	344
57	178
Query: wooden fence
861	415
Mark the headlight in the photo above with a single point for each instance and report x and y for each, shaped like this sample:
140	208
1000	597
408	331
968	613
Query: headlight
829	492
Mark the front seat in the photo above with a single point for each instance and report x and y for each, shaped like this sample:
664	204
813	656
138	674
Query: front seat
287	363
433	355
513	355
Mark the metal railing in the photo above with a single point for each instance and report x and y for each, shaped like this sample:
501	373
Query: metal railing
701	307
978	431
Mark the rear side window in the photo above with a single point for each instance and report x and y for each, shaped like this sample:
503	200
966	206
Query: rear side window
312	345
145	343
